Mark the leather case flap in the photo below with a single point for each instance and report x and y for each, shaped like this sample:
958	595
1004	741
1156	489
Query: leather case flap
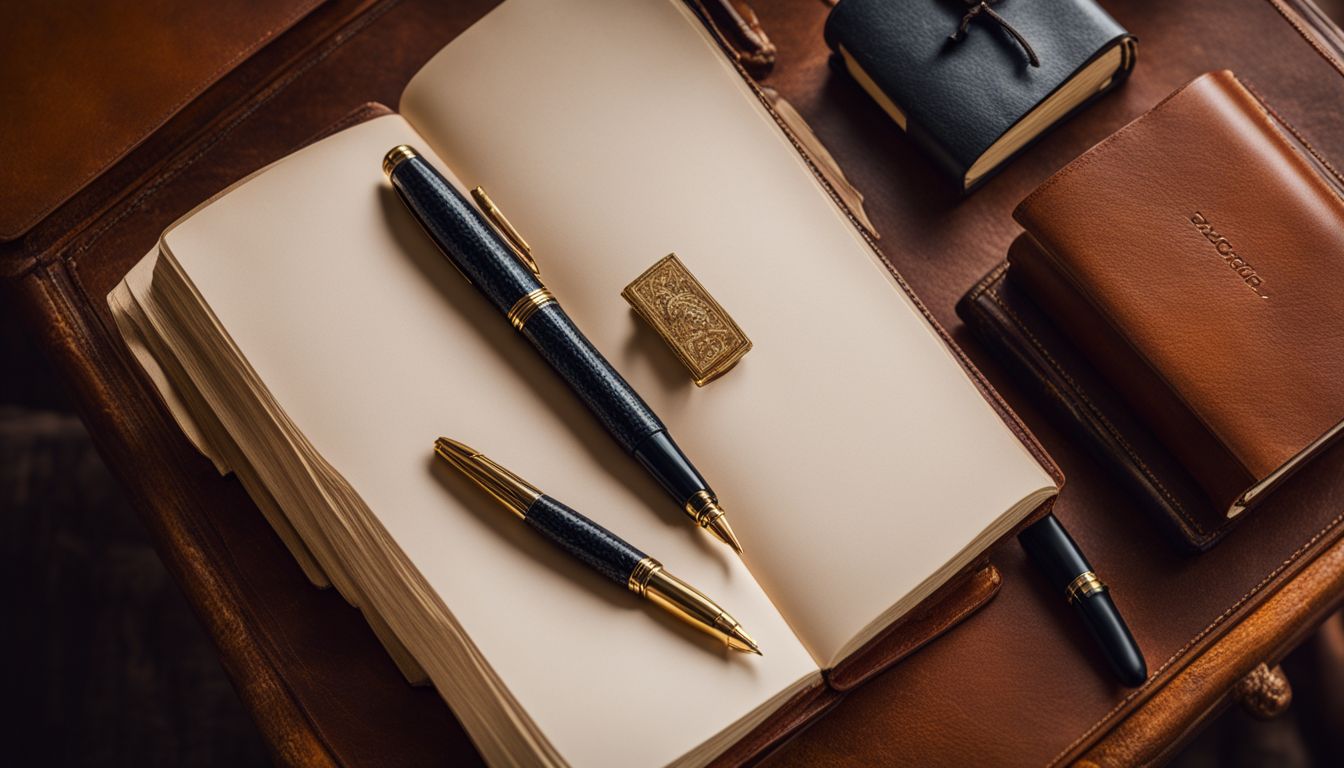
805	707
1020	334
77	101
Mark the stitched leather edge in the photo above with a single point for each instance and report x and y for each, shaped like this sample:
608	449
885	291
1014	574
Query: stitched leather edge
1283	122
1082	395
1295	21
1199	636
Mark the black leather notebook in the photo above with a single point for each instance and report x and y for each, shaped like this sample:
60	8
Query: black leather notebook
976	83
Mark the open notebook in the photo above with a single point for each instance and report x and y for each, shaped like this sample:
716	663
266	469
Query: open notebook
310	338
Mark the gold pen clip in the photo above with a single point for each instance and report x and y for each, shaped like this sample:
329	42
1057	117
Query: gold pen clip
520	247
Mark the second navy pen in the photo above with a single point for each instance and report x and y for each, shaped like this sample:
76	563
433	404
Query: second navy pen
512	283
598	548
1058	556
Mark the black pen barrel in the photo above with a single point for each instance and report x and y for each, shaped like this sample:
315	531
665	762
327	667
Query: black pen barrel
481	254
602	550
669	466
1066	568
606	393
1108	629
1054	551
464	236
478	251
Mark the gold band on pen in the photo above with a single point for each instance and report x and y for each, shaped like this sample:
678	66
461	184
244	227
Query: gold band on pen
639	577
703	508
1085	585
396	156
527	306
651	581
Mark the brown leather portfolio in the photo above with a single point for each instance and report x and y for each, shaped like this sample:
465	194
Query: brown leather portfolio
1211	363
1016	683
1189	255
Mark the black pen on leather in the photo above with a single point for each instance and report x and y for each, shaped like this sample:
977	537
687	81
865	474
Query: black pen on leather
1068	571
505	273
600	549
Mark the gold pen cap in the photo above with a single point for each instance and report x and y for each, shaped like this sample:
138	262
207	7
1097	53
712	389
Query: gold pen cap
509	489
395	156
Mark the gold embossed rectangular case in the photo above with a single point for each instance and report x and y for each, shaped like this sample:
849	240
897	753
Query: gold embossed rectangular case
703	335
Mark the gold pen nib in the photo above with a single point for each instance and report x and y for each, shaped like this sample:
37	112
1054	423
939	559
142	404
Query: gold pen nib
720	528
704	509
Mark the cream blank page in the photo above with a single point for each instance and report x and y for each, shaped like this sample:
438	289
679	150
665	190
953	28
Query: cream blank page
374	345
853	454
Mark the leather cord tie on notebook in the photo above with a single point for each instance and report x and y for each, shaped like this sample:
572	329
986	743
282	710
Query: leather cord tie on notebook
982	7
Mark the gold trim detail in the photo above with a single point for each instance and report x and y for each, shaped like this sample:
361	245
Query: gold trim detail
395	156
1085	585
643	571
521	250
701	334
523	309
693	607
703	508
509	489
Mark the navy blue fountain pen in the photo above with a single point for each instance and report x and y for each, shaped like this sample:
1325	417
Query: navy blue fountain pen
1068	571
598	548
503	271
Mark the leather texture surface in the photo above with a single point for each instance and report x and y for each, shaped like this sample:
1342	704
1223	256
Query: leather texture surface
469	242
1189	257
608	554
1015	684
960	97
77	101
1085	403
462	234
606	393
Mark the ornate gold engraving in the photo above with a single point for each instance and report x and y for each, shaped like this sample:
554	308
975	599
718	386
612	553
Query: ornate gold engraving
698	330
